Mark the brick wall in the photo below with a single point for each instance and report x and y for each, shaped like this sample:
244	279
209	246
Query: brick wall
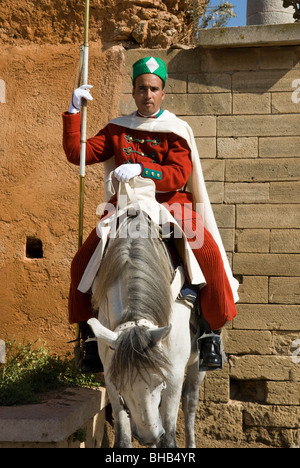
239	104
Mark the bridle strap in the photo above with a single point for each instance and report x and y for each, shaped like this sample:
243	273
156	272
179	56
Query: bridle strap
136	323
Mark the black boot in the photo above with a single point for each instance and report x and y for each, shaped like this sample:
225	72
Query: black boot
210	352
91	361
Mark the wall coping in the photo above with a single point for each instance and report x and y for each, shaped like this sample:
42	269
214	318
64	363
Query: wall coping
250	36
54	420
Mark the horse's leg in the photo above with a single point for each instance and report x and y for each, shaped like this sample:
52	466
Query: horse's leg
190	400
179	349
122	428
169	410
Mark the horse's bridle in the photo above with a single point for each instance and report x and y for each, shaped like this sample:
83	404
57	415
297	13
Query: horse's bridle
136	323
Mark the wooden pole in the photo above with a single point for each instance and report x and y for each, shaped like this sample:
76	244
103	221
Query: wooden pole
83	121
85	67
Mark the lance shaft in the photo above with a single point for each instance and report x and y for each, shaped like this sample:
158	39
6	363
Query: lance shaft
85	67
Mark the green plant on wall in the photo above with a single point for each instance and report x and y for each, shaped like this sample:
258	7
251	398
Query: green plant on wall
30	371
206	15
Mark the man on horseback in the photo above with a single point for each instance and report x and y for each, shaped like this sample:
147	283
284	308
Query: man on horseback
153	143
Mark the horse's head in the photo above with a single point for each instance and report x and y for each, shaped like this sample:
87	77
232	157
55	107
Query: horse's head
138	370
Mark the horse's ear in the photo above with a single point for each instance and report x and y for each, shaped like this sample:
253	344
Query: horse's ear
160	334
103	333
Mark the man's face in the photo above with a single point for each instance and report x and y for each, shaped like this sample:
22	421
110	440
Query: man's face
148	93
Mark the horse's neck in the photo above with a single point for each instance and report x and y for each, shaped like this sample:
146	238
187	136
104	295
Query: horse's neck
116	303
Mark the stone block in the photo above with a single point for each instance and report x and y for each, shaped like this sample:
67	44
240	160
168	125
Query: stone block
267	317
220	421
254	367
206	147
237	147
285	290
227	236
248	342
176	83
225	215
250	36
216	386
272	416
203	126
257	264
285	192
55	420
252	103
285	240
253	290
258	125
279	147
215	191
209	104
198	104
264	81
253	240
283	393
282	103
213	169
218	60
246	193
263	170
268	216
209	83
269	58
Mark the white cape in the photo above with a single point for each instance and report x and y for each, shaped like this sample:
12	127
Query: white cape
169	123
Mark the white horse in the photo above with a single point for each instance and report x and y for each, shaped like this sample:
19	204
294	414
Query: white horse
145	343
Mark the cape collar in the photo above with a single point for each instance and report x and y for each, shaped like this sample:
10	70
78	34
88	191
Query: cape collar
153	116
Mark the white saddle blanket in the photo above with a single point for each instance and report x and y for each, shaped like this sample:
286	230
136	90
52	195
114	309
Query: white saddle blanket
139	195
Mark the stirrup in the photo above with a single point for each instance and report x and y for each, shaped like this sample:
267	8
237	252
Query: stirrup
216	341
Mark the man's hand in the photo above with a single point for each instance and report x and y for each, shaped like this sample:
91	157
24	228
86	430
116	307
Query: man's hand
127	171
79	94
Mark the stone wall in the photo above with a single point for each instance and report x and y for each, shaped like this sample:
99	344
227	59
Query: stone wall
243	105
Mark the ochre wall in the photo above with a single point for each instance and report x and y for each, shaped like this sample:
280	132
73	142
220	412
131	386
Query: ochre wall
39	188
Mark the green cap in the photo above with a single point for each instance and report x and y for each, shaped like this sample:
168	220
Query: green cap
152	65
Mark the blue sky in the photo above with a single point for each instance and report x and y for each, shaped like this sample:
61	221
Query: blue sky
240	10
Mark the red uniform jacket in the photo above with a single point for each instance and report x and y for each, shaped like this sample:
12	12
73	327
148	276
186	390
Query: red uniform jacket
165	157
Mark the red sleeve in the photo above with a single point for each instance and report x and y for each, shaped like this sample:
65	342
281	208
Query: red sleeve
98	148
174	171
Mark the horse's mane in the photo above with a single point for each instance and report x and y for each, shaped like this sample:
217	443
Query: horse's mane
144	266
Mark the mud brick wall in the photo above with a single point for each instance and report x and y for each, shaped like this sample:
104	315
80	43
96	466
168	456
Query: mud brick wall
239	102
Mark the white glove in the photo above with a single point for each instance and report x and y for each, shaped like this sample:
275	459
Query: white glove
127	171
79	94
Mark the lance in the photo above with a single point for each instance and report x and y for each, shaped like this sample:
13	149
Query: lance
85	66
